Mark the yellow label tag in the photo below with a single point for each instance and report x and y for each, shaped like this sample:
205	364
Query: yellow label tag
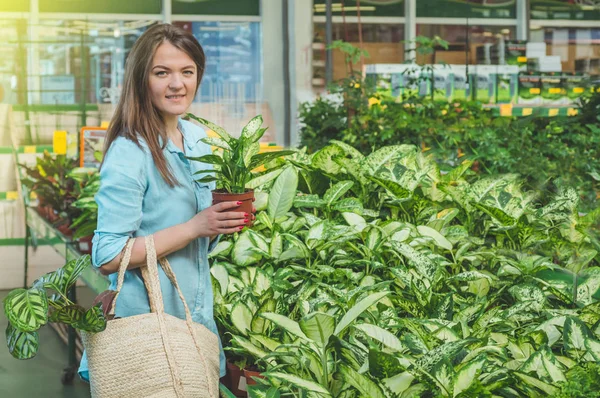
578	90
59	142
506	109
29	149
12	195
552	112
555	90
104	124
572	111
534	90
527	111
33	195
522	59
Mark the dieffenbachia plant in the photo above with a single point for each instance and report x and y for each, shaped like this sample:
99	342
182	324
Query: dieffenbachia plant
240	156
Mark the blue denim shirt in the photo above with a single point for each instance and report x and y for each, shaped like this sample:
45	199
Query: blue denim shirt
134	200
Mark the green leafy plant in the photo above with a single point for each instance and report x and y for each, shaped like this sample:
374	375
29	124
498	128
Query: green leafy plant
47	301
85	224
481	290
240	156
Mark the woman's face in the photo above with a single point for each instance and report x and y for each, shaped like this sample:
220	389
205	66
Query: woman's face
172	80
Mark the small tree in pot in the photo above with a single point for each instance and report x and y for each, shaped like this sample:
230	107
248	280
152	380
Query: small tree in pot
234	166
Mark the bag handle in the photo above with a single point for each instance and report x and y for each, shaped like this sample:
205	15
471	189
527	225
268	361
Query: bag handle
121	276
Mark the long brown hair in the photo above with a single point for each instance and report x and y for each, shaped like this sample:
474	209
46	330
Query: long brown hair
135	116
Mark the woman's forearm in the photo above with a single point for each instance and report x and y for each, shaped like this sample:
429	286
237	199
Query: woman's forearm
166	241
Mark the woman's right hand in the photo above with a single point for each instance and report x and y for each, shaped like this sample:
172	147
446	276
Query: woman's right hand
218	220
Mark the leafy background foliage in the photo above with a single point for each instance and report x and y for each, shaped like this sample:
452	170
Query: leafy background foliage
394	279
549	153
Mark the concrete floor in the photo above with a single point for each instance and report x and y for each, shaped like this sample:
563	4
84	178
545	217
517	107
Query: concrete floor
39	376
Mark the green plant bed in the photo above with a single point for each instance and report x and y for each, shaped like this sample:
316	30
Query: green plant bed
380	276
562	150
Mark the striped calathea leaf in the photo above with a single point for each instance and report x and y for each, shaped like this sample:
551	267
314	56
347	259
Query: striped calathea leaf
29	309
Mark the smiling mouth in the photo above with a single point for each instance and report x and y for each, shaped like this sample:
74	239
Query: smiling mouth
175	96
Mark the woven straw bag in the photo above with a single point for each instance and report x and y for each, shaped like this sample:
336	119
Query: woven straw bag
155	354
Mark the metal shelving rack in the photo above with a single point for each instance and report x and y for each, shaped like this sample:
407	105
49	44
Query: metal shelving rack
38	230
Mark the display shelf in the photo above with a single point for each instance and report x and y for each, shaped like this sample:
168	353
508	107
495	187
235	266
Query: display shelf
532	110
41	229
7	150
55	108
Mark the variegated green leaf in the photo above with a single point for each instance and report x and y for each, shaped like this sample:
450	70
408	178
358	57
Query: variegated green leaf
27	309
219	272
252	150
242	253
217	142
324	159
443	375
381	335
467	374
349	205
241	318
399	383
358	308
276	246
337	191
438	238
309	201
263	179
222	249
247	346
217	129
252	127
349	150
318	327
260	324
384	156
448	350
575	333
69	314
374	238
532	381
286	324
426	267
283	192
356	221
93	320
299	382
21	345
365	386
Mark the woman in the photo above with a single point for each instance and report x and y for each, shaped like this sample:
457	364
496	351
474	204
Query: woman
147	182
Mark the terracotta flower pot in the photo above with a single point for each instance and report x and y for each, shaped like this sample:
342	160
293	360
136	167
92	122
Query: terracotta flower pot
250	374
246	198
65	230
85	244
235	380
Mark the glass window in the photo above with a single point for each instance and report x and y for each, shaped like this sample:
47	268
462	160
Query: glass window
565	9
481	39
467	8
383	42
578	48
232	87
380	8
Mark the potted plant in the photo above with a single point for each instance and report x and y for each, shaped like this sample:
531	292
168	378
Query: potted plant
27	310
85	224
236	161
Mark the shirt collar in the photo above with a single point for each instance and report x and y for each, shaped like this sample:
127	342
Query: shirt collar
186	140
